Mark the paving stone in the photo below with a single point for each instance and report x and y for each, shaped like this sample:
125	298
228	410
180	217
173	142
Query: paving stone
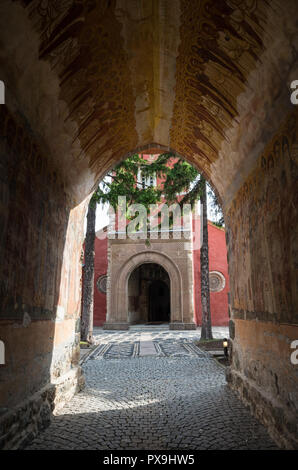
175	401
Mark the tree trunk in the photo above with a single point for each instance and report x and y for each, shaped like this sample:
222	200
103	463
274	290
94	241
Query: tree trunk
88	277
206	332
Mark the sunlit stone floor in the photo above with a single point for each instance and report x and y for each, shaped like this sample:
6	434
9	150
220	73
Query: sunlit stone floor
174	401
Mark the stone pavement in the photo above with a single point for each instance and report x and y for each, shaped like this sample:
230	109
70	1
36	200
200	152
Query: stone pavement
177	400
155	332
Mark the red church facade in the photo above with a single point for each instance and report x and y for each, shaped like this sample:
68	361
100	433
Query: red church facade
219	279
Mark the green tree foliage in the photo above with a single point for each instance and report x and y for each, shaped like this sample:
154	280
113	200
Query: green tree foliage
176	178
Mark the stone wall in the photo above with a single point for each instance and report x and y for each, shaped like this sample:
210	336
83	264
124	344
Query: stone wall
40	243
263	262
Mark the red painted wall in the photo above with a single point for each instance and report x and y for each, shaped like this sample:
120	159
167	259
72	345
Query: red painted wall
217	262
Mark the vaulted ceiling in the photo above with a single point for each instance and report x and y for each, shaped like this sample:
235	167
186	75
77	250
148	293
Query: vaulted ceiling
98	79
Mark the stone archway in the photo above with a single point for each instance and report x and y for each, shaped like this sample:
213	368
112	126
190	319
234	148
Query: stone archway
214	85
181	305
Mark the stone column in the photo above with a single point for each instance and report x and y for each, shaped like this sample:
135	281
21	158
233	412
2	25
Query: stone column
184	261
115	320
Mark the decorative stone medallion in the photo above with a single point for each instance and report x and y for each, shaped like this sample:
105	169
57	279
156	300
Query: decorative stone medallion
217	281
101	284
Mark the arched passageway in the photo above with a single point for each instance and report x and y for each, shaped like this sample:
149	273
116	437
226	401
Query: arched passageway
87	83
149	298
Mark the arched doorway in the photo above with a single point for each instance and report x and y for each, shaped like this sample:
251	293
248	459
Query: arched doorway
148	292
123	281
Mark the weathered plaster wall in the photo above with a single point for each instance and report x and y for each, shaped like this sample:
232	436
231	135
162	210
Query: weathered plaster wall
262	249
262	234
234	66
264	377
33	88
39	280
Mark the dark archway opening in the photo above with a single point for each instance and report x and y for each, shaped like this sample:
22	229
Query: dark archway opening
149	299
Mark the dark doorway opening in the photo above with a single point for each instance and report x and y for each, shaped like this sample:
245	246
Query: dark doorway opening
159	302
149	295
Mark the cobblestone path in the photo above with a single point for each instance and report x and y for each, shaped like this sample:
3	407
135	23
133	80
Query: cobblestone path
154	402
